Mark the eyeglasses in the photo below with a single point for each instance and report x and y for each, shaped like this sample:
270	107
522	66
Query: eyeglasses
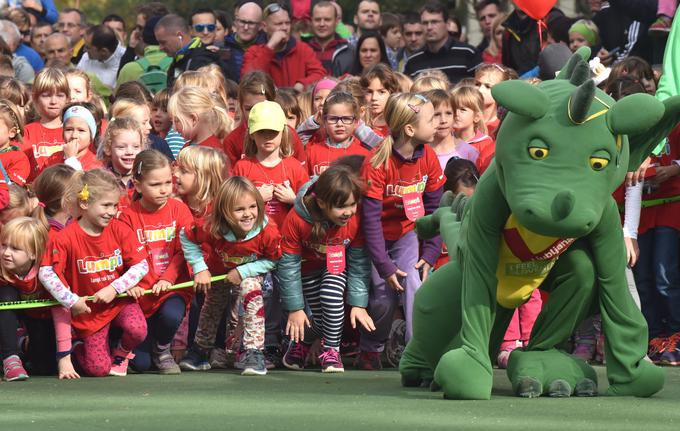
246	23
200	28
334	119
271	9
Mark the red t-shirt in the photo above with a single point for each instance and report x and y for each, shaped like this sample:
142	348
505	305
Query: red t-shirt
158	232
420	175
234	144
87	161
16	165
487	149
320	155
297	239
87	263
289	171
211	142
667	215
39	144
266	244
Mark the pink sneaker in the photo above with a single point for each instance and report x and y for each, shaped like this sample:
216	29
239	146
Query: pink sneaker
331	362
503	358
120	362
296	356
14	369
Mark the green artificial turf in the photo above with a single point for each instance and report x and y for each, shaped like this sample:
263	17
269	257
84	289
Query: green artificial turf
285	400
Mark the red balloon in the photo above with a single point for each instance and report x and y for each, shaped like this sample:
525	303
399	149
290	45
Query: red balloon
537	9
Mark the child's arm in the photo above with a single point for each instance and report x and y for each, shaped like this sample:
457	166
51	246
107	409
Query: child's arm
132	276
358	276
194	257
290	283
367	136
52	283
371	209
307	129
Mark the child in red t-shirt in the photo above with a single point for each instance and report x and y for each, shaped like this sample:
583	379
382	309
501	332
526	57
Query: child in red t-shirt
255	87
468	124
199	117
14	165
156	219
80	133
248	246
44	138
378	83
95	257
123	141
339	119
268	163
404	182
324	256
22	242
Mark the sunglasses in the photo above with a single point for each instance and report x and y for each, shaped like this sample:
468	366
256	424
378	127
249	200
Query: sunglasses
200	28
271	9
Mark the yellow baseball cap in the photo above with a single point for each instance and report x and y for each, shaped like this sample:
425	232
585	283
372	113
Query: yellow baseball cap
266	116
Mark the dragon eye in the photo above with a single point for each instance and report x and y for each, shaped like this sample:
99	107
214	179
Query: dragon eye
598	163
538	153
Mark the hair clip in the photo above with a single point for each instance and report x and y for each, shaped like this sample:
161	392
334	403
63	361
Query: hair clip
41	204
421	97
262	90
139	168
84	194
415	108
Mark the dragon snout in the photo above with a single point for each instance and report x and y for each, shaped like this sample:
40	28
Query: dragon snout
562	205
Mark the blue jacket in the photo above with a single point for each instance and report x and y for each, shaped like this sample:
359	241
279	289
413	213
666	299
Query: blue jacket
32	56
236	61
290	283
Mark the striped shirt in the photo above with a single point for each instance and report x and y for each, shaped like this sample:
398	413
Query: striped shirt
175	142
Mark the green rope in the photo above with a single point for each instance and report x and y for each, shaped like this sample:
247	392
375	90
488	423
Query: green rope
41	303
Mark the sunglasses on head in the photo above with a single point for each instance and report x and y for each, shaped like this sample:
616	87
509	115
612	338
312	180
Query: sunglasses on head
200	28
271	9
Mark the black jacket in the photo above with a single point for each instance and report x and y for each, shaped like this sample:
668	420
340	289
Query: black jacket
521	41
194	59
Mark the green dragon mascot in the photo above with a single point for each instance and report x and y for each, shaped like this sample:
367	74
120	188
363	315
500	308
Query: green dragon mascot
542	216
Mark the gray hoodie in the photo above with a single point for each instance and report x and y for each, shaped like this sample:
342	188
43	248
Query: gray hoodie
358	268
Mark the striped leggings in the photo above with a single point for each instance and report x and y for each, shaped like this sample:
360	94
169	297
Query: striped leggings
324	293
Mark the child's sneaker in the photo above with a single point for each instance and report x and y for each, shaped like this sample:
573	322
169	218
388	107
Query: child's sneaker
296	356
331	361
396	342
196	359
503	358
253	364
657	346
219	359
14	369
662	26
368	361
164	361
671	353
119	366
272	357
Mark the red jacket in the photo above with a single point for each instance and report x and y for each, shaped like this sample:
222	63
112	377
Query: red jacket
298	64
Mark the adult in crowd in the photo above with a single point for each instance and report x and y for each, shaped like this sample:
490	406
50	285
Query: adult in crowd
103	55
39	34
493	53
135	47
58	51
521	41
117	24
152	55
291	63
72	22
324	40
248	32
413	33
367	18
21	19
9	33
623	30
486	12
173	35
370	51
203	25
223	26
442	52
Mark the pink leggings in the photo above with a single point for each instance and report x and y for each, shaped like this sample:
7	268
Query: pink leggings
94	355
523	322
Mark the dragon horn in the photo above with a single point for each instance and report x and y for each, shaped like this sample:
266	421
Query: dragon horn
579	102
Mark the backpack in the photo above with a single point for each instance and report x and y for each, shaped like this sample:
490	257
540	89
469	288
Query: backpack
154	77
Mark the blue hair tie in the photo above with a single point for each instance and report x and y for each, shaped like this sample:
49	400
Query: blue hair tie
84	113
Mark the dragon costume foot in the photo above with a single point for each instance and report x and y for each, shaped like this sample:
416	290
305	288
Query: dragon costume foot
464	377
649	380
